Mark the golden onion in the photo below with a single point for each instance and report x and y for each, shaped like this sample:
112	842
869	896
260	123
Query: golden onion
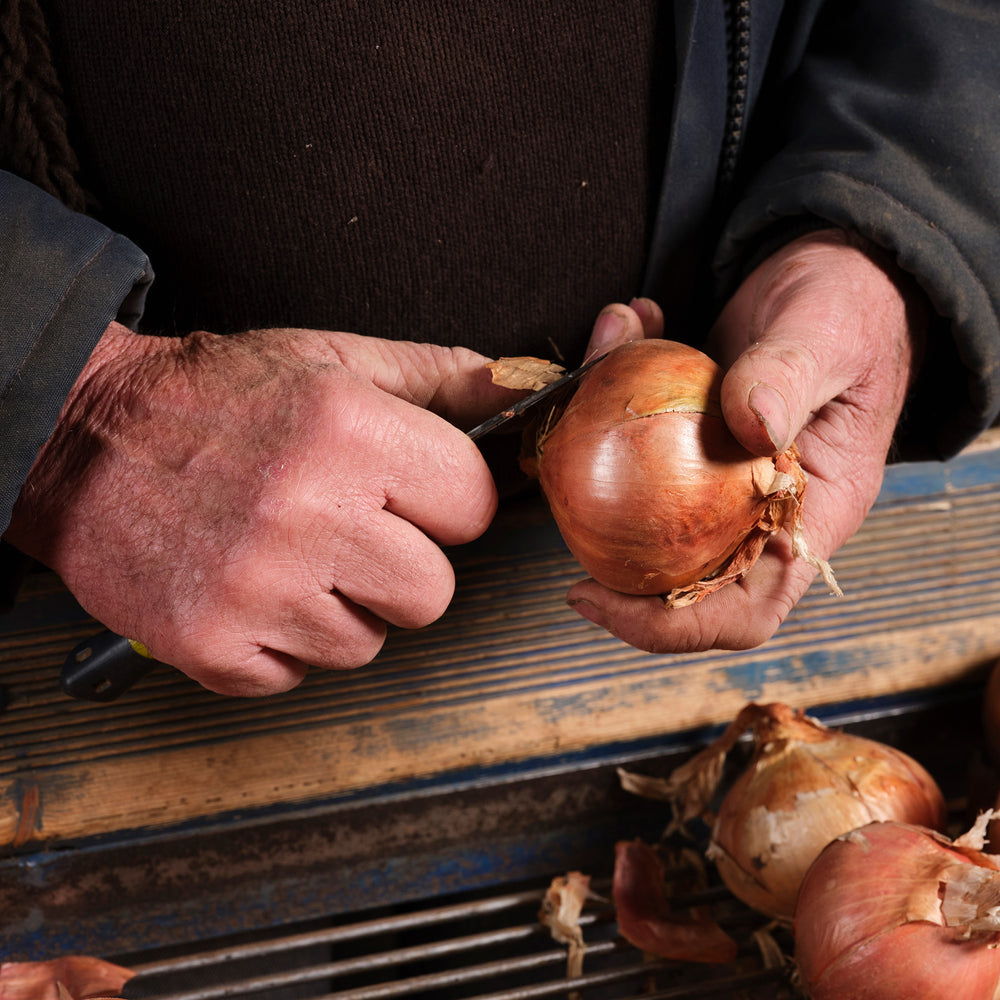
650	490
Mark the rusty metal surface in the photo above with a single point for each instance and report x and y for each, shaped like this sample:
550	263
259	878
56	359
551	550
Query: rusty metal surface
190	884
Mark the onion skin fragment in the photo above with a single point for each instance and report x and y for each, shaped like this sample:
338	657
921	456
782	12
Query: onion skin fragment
646	920
561	907
871	918
649	489
76	977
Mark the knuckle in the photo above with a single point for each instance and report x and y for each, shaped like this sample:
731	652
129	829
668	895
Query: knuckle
358	652
243	679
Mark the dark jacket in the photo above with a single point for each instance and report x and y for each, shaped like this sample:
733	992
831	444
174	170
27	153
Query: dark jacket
880	116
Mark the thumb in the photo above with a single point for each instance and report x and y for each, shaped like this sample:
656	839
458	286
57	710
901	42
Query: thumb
809	327
798	364
466	394
770	393
453	382
762	403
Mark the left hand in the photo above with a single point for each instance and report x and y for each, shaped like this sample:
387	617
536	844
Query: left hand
820	343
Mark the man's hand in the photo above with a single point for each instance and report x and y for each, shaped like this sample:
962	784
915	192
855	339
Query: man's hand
248	505
820	343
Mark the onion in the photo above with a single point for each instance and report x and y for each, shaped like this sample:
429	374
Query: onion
892	911
651	492
805	785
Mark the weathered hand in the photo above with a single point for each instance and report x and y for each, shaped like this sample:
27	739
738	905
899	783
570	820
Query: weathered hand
820	343
248	505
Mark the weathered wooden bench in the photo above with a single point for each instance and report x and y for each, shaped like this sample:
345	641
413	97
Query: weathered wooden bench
164	800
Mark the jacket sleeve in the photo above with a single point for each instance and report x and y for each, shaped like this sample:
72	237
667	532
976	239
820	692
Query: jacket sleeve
63	279
889	124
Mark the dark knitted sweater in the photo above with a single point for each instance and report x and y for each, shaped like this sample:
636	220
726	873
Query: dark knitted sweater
474	174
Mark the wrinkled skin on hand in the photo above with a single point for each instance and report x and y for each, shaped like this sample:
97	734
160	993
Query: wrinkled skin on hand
820	344
247	505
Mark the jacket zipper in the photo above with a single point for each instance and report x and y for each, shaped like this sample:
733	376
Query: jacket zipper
737	87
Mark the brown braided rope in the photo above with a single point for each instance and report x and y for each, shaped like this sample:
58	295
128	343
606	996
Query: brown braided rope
34	139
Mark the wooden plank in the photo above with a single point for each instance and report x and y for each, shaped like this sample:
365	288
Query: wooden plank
509	675
173	786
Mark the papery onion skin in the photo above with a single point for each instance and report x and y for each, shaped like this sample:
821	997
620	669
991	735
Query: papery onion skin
646	919
77	977
806	785
869	924
649	489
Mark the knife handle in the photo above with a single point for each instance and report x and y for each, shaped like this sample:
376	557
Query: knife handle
105	666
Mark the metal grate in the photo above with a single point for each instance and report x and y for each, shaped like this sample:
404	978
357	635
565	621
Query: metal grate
489	944
487	948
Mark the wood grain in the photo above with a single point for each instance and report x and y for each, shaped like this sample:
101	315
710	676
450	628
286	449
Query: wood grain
508	675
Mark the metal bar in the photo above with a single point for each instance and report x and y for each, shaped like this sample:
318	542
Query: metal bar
415	985
373	962
347	932
723	986
367	963
378	991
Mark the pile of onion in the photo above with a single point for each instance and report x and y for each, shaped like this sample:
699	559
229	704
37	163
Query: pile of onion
896	912
651	492
805	785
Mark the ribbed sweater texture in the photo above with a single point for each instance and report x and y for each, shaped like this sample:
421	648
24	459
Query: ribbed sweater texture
461	173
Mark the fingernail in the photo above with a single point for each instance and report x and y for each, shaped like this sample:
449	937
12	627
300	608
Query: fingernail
587	610
772	411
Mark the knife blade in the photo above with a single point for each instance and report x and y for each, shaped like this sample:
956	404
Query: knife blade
106	665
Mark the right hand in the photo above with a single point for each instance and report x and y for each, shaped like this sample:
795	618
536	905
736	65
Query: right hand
833	329
250	504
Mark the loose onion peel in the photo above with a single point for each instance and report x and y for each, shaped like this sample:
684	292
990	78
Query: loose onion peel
647	920
561	908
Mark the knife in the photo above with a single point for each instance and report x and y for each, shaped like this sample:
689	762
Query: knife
106	665
532	400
